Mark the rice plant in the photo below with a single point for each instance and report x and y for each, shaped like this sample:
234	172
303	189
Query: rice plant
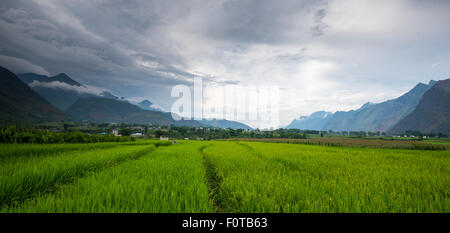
222	176
171	179
268	177
25	177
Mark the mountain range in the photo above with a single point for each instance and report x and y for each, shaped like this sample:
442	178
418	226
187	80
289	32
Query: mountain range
370	117
21	105
426	108
61	90
97	109
69	99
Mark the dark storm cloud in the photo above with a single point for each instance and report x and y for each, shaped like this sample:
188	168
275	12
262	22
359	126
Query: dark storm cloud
110	42
319	26
92	46
99	41
261	21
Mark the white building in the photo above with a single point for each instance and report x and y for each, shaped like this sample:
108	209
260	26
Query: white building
164	137
115	132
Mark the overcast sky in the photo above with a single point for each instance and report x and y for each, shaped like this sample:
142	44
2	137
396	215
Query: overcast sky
324	55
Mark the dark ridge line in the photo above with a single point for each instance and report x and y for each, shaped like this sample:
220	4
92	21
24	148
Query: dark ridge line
17	201
213	181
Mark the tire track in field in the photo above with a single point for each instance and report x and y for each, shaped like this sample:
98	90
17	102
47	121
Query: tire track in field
213	181
54	187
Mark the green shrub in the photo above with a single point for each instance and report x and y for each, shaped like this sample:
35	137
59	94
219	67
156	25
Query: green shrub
12	134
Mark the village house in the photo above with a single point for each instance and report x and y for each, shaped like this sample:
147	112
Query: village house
164	137
115	132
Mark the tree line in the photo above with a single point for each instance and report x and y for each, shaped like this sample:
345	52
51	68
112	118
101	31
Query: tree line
13	134
218	133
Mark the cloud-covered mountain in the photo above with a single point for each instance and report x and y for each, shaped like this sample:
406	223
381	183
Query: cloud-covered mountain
21	105
61	90
66	94
147	105
315	121
432	114
62	78
109	110
370	117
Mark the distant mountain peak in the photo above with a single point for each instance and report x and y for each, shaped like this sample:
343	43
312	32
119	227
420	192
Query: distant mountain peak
145	102
62	96
62	77
108	95
147	105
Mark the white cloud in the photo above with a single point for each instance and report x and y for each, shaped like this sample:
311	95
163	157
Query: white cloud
19	66
68	87
155	106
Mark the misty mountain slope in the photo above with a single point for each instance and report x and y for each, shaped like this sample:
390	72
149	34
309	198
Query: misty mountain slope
60	90
382	116
21	105
108	110
63	78
370	117
432	114
30	77
147	105
315	121
225	124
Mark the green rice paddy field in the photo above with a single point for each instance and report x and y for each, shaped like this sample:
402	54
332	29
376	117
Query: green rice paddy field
221	176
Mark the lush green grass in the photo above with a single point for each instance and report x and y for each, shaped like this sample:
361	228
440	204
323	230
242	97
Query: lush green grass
169	180
270	177
221	176
22	177
11	152
372	142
